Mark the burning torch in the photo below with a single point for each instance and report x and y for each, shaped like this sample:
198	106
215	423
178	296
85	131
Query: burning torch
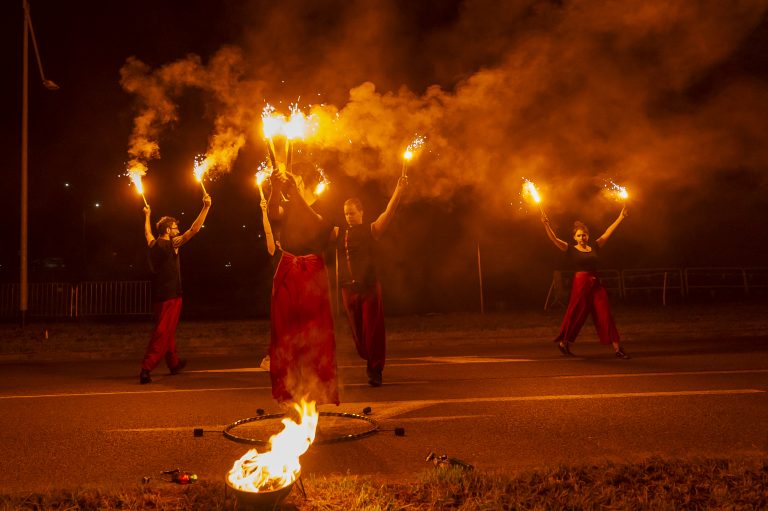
135	174
202	164
271	125
415	144
532	194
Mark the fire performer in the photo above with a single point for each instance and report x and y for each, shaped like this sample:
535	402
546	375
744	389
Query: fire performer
166	288
360	286
588	296
302	348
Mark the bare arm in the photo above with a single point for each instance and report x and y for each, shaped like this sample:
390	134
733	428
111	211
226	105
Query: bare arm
267	228
380	224
196	225
148	226
607	234
560	244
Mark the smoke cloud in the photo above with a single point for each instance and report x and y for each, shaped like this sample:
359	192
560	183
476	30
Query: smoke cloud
569	94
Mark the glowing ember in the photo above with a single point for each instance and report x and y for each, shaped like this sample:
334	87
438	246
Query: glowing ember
530	192
615	191
268	471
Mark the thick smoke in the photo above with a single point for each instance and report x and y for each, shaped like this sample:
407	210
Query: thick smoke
566	93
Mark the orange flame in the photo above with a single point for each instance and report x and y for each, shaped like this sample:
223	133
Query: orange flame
322	185
272	124
415	144
530	191
615	191
259	472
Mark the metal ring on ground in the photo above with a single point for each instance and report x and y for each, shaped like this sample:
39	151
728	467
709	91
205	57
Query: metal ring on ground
343	438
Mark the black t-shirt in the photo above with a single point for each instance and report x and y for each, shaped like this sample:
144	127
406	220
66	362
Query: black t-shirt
583	261
166	275
357	262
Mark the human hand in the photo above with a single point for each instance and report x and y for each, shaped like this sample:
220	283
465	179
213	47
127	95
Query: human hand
147	211
207	201
263	204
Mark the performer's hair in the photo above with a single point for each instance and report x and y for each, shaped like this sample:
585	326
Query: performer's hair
354	201
579	225
165	223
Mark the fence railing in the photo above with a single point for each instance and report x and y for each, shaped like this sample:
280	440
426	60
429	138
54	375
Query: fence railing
666	281
86	299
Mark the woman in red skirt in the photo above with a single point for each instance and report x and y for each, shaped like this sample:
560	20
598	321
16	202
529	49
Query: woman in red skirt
588	296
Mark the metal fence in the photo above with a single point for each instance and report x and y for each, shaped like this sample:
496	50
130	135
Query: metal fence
662	283
86	299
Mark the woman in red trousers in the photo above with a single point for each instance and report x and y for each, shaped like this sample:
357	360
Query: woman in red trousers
588	296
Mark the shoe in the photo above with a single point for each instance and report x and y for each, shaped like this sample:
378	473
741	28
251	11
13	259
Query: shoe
620	354
181	365
374	377
265	363
144	377
565	350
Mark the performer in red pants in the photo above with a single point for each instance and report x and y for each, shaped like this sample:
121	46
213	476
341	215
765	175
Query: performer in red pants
588	296
302	350
360	286
166	288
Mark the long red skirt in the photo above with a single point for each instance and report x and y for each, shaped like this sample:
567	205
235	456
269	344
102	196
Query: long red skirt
588	296
302	349
365	313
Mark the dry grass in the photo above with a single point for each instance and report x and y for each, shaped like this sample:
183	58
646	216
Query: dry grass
655	484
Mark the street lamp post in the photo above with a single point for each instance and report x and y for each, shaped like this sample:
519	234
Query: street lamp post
48	84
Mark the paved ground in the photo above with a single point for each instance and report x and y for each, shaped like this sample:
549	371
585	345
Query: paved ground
496	405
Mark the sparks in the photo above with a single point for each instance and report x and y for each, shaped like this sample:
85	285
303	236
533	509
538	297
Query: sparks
615	191
322	185
530	191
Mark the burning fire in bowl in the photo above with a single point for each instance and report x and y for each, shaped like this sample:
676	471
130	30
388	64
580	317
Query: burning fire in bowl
263	480
265	499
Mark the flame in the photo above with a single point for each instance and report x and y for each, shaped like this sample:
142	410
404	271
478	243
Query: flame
272	124
135	173
263	173
415	144
615	191
530	191
202	164
322	185
296	126
271	470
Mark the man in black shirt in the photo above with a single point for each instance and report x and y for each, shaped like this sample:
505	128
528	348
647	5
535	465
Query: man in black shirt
360	286
166	288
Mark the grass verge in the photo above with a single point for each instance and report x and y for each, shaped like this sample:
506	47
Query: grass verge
653	484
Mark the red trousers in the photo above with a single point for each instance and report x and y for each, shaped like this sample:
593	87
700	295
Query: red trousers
365	313
302	348
588	296
163	340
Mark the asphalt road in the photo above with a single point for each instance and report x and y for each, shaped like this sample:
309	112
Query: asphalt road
494	405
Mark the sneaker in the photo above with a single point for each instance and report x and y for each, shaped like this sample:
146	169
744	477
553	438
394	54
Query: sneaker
374	377
181	365
620	354
144	377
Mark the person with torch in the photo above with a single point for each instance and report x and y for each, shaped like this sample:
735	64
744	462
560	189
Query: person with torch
302	348
166	288
588	296
360	286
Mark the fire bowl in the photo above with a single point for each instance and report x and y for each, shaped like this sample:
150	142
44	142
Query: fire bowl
263	500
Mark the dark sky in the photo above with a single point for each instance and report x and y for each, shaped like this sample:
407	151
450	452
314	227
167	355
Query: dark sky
666	99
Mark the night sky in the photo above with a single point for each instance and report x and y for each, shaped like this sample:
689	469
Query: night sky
668	99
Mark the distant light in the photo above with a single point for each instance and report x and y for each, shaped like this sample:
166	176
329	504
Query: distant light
97	205
243	226
66	184
258	235
182	213
228	265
